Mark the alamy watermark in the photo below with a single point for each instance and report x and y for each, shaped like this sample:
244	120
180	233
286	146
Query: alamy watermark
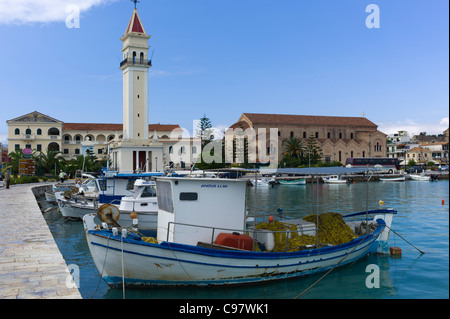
373	279
373	19
235	145
73	16
73	279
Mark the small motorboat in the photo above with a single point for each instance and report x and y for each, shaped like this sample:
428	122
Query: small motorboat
301	181
420	177
393	179
334	179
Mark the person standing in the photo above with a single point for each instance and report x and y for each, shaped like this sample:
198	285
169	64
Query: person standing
7	178
61	176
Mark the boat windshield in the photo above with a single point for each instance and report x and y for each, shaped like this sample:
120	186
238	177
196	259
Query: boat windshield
149	191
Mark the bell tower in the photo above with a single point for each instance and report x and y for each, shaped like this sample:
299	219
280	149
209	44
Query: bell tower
135	66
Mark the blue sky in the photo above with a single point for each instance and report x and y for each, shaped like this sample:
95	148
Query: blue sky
226	57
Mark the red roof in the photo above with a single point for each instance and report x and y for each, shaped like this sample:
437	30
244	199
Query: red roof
135	24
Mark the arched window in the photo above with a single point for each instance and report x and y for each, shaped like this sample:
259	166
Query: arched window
340	135
134	57
328	135
170	149
292	134
53	131
317	134
351	136
141	58
304	134
28	131
194	149
39	131
17	131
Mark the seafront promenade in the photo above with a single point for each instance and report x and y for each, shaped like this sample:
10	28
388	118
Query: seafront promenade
31	265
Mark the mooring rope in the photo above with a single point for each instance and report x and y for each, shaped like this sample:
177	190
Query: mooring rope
422	252
329	271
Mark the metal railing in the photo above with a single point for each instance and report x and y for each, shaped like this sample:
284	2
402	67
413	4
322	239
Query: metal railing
240	231
136	61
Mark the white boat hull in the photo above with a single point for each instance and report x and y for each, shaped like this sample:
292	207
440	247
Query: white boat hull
393	179
420	177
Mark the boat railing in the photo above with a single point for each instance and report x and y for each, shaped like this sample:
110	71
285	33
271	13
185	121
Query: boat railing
252	231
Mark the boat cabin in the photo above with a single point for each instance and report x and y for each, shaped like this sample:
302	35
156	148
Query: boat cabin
192	210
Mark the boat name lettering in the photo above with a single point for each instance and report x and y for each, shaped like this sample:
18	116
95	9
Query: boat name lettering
214	186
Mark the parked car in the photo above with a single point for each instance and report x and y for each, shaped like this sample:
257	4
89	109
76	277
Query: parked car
416	169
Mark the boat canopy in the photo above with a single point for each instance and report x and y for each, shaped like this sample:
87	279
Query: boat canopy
335	170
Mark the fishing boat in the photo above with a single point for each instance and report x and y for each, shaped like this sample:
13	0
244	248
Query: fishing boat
334	179
202	241
393	179
301	181
143	202
420	177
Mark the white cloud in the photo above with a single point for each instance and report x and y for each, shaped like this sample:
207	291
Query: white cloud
414	128
41	11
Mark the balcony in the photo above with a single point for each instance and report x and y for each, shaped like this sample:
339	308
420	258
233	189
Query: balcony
135	61
28	136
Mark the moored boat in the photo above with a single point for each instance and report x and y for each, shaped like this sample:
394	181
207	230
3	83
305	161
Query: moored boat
301	181
189	248
420	177
334	179
393	179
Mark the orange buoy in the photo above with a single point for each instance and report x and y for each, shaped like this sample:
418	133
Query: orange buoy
443	202
133	215
270	219
395	250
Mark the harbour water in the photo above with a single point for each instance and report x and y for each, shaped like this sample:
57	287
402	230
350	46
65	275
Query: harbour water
422	219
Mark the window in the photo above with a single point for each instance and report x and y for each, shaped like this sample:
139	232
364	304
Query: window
351	136
164	196
141	58
170	149
327	159
39	131
28	131
39	147
292	134
304	134
364	153
27	145
188	196
16	146
17	131
328	135
351	154
317	134
194	150
340	156
340	135
149	191
77	151
100	151
66	151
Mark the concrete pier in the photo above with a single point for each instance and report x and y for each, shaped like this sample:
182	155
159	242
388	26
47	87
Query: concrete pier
31	265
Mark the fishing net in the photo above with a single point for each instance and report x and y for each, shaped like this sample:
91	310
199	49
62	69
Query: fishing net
332	230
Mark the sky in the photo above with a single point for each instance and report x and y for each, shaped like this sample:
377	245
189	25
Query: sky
222	58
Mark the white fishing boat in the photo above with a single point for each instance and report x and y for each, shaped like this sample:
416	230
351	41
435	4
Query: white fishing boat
202	240
264	181
301	181
420	177
334	179
393	179
143	202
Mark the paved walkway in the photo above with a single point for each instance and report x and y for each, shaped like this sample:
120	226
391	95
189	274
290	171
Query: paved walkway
31	265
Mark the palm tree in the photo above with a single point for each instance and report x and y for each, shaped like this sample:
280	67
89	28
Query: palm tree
52	159
293	147
15	158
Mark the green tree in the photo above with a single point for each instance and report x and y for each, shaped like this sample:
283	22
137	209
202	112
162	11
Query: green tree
293	147
313	152
51	160
15	158
205	130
